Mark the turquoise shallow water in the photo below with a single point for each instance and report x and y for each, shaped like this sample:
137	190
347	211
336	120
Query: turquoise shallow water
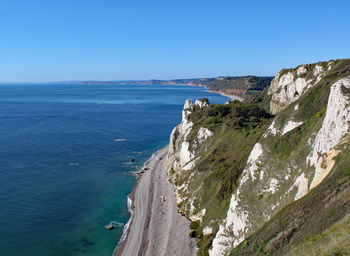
64	160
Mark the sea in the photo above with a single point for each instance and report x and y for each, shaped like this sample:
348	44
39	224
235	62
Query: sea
68	153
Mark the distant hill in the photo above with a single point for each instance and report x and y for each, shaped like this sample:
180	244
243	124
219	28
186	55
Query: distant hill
239	86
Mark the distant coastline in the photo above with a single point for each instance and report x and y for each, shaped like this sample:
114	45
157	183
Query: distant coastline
235	87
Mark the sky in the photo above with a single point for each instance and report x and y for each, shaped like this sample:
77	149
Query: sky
59	40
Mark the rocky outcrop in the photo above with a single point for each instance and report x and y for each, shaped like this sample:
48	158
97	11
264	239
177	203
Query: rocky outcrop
203	134
201	103
182	155
335	126
291	155
179	154
283	180
289	85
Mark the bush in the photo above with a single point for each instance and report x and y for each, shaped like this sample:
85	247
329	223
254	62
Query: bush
193	234
195	225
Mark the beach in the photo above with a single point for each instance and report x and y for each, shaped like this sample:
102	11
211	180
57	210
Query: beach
156	227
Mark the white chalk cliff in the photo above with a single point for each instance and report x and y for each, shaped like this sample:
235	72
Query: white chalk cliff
287	87
242	217
181	157
268	183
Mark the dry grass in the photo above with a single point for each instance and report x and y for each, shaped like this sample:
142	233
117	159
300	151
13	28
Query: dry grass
333	241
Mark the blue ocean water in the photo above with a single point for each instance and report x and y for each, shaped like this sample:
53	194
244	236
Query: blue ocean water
64	160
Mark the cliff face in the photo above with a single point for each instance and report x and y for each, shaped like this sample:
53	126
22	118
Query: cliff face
290	85
182	157
236	168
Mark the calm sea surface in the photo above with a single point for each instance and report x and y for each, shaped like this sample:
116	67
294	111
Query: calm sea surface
64	160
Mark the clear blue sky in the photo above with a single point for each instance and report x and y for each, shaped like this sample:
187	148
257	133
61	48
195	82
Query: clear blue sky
51	40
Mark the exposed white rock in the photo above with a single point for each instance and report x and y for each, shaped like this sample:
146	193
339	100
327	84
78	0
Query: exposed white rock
179	155
318	70
273	207
204	134
329	66
335	125
288	87
201	103
319	73
261	176
290	126
188	104
185	127
185	153
272	129
198	216
245	214
236	223
273	185
186	111
300	84
253	162
285	91
207	230
302	183
288	173
189	165
301	70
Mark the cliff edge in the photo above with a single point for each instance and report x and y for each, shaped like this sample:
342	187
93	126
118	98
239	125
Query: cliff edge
237	167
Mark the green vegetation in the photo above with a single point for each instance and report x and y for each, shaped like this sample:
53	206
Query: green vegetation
302	222
196	230
204	100
307	225
244	86
333	241
237	127
204	244
261	99
316	99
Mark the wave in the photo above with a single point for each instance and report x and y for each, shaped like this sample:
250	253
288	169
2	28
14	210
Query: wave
119	140
127	225
139	152
129	204
115	224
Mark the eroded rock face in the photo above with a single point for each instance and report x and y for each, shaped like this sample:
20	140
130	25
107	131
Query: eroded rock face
290	126
285	181
182	155
289	85
178	153
335	126
201	103
301	70
269	181
285	89
204	134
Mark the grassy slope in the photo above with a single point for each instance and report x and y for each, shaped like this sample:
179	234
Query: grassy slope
237	127
304	219
307	217
334	240
243	86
